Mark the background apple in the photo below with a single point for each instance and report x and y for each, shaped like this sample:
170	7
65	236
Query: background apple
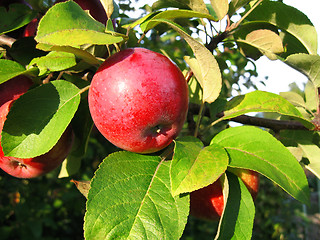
138	100
31	28
208	203
30	167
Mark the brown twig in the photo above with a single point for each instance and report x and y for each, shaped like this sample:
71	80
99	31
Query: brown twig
6	40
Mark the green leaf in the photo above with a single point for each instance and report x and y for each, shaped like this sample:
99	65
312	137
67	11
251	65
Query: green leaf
167	15
130	198
260	101
79	53
38	118
308	65
238	216
281	15
210	77
265	41
16	17
194	167
311	96
220	7
10	69
304	140
235	5
54	62
75	27
252	148
197	6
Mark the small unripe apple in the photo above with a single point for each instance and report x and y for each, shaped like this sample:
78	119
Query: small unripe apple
208	202
29	167
138	100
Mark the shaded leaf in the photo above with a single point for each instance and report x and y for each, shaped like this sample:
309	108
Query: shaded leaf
252	148
38	118
194	167
130	198
9	69
16	17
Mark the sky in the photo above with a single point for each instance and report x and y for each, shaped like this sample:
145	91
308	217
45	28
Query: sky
279	74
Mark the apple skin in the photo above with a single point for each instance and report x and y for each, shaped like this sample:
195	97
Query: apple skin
208	203
31	28
138	100
29	167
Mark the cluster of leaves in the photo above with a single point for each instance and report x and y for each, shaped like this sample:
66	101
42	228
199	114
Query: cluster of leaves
146	196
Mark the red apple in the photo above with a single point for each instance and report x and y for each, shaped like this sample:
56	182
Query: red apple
30	167
208	203
138	100
94	7
31	28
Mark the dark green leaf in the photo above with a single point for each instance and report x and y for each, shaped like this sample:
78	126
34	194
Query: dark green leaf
38	118
16	17
130	198
252	148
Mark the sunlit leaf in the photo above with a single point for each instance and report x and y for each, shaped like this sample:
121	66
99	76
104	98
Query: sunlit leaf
220	7
38	118
260	101
210	72
265	41
75	27
130	198
194	167
252	148
307	64
290	20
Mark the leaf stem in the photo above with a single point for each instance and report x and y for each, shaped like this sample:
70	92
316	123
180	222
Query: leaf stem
199	119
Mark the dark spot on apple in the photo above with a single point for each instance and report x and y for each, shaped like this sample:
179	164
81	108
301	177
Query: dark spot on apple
18	164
